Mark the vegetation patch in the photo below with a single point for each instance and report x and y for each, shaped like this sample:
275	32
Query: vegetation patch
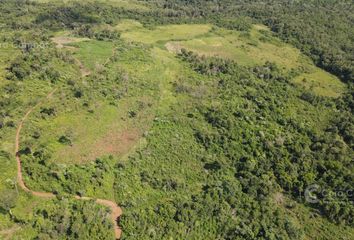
128	25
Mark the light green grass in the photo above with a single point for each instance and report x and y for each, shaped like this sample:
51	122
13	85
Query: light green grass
166	33
244	49
315	227
93	53
321	82
84	128
89	132
128	4
214	46
258	47
128	25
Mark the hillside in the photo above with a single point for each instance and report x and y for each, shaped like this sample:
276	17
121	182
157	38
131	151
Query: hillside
165	120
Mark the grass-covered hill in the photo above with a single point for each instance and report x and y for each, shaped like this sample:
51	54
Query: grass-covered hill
198	122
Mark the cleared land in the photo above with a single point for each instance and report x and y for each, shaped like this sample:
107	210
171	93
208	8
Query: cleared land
164	33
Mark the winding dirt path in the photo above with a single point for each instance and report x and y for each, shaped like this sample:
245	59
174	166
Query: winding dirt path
116	211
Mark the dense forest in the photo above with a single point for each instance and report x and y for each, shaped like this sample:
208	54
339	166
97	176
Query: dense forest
190	145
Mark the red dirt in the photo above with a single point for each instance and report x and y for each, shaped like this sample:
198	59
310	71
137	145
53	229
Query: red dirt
116	211
115	142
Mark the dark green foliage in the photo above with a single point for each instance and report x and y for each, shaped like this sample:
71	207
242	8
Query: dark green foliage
47	112
255	152
69	219
90	31
239	24
19	69
65	140
74	179
68	16
78	93
51	74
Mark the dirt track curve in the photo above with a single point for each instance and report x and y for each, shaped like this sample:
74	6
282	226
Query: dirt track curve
116	211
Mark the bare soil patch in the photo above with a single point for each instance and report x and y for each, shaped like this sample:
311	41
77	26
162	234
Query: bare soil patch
113	143
61	41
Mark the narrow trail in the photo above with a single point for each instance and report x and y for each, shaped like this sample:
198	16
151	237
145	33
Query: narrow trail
84	71
116	211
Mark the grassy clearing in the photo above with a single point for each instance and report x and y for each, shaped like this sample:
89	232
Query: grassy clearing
321	82
93	53
245	48
83	128
315	227
166	33
105	126
103	130
60	40
215	46
128	25
258	47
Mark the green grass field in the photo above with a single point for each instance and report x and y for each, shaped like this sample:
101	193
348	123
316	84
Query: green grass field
93	53
321	82
164	33
128	25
